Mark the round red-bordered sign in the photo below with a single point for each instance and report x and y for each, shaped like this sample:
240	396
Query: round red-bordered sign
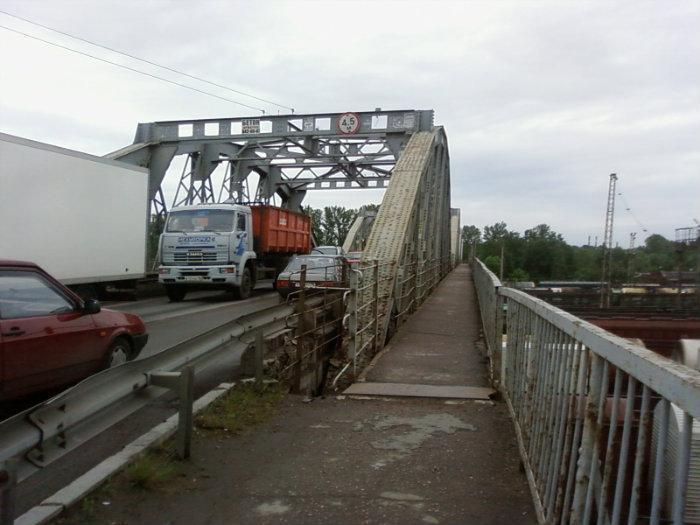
349	123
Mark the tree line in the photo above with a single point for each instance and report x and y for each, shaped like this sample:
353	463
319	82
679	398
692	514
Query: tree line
331	224
541	254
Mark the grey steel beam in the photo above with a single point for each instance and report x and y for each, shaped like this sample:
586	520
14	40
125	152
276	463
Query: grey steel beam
346	144
311	125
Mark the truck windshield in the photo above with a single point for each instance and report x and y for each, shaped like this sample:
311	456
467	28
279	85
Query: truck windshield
200	221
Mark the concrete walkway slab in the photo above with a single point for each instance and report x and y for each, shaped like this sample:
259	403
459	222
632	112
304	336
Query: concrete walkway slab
434	391
441	343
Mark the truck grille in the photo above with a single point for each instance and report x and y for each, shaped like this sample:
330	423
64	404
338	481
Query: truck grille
196	257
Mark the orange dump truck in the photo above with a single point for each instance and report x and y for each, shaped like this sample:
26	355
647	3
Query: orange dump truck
228	246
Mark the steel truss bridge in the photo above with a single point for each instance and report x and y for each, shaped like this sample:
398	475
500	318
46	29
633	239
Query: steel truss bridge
401	151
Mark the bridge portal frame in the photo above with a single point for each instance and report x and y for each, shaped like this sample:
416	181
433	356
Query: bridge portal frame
291	154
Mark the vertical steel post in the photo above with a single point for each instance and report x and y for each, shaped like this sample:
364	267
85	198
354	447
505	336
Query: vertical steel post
497	349
8	487
182	383
352	319
300	326
591	431
644	422
375	305
259	347
680	485
658	490
184	422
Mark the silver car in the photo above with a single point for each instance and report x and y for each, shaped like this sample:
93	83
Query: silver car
322	271
327	250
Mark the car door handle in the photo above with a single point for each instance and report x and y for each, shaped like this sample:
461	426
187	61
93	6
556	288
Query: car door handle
14	331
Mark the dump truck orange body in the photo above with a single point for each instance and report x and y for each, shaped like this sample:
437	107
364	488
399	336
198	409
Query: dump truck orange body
277	230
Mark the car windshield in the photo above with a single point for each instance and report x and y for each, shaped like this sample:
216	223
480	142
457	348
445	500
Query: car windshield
190	221
311	262
326	250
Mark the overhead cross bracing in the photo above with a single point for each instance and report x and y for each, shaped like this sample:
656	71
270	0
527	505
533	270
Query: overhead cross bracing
290	154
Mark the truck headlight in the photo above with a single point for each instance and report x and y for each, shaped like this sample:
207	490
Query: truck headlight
230	269
163	269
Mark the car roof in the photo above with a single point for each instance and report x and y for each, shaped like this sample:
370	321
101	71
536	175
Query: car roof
316	255
10	262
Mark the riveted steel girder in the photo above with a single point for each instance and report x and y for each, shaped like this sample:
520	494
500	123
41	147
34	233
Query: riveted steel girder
290	153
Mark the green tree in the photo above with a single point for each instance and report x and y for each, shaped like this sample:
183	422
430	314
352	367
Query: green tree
336	224
493	263
155	228
471	234
317	228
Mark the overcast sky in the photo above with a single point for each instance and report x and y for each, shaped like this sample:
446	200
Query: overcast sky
540	100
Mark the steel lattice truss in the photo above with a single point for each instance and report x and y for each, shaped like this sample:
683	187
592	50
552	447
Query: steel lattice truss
291	154
412	229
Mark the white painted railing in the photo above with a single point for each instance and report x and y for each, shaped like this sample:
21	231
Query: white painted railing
608	431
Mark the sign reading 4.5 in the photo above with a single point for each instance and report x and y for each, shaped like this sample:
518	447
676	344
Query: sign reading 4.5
349	123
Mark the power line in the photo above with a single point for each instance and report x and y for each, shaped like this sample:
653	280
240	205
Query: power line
131	68
179	72
629	210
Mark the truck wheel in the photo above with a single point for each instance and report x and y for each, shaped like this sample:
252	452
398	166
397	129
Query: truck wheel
175	293
246	288
119	352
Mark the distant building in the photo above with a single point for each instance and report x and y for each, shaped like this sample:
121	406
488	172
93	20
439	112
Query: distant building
455	236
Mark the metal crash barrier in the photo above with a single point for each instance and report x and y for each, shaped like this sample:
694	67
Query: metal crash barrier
608	431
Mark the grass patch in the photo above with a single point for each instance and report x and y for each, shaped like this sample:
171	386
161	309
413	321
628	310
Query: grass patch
152	470
241	408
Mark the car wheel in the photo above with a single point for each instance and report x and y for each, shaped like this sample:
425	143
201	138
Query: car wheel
175	293
246	288
119	352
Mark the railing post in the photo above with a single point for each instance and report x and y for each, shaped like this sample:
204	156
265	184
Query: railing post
259	347
375	306
8	487
183	384
419	283
591	431
398	291
352	319
497	349
301	306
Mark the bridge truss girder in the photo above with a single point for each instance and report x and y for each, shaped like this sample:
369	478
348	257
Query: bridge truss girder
412	229
290	154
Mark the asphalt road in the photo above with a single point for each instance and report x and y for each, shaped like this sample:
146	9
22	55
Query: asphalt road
168	324
171	323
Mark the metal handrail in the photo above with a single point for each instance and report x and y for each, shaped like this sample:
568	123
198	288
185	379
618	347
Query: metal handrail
678	383
587	406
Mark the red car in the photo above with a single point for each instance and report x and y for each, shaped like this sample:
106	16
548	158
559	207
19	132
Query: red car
50	337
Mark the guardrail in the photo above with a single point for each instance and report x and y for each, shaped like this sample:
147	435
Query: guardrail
490	306
35	438
608	431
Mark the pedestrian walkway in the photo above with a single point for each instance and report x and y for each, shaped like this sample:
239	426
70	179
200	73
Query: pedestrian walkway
441	343
358	459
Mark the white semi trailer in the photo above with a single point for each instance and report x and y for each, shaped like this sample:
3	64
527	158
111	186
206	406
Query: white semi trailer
82	218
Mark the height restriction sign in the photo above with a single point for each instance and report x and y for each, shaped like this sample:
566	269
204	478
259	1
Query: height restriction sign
349	123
